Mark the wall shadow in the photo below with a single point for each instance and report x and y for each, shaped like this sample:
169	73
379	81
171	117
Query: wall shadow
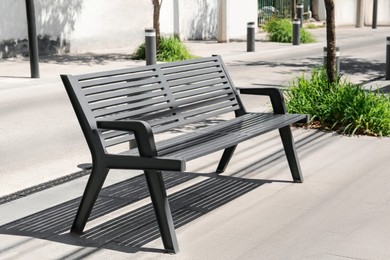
204	24
55	20
87	58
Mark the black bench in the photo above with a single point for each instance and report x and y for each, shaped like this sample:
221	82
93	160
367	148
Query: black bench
120	106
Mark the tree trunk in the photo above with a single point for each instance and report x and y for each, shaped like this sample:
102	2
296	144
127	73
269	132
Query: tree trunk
156	20
294	9
330	41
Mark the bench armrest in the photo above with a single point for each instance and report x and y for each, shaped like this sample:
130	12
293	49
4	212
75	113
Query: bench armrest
275	95
142	131
144	136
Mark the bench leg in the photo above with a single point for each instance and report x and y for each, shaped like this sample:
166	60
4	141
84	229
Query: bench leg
91	192
292	158
163	212
225	159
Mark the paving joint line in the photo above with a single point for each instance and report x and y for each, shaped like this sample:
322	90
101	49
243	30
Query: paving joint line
42	186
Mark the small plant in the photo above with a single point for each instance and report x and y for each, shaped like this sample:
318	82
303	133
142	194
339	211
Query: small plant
312	26
341	106
171	49
280	30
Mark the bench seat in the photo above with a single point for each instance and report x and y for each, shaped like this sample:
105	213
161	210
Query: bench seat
225	134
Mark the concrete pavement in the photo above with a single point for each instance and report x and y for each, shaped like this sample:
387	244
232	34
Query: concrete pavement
339	212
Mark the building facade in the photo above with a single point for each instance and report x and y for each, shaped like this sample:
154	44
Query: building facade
101	26
79	26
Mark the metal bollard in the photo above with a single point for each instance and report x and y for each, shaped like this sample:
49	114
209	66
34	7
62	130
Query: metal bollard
150	46
250	37
300	13
388	58
296	32
32	39
337	59
374	14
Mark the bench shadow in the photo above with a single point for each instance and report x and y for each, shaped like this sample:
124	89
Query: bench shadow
131	231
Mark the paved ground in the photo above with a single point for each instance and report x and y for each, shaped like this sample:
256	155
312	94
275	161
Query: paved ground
253	211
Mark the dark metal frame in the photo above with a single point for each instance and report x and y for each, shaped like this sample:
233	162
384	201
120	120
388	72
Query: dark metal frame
116	107
32	39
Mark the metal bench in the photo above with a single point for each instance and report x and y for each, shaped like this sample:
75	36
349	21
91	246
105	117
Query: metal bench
120	106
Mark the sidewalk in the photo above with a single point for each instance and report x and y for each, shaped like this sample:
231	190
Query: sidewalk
339	212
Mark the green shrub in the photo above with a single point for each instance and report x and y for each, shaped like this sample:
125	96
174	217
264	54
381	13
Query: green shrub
341	106
139	53
280	30
171	49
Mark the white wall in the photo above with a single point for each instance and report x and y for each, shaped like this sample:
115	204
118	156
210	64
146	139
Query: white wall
345	11
12	20
195	19
89	25
198	19
239	14
102	25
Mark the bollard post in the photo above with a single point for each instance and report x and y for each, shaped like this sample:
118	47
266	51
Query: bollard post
388	58
300	13
374	14
337	59
32	39
296	32
359	14
150	46
250	37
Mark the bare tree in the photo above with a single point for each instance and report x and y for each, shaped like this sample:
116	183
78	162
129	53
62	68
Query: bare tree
330	41
156	19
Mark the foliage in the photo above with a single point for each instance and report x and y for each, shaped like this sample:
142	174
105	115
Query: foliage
313	26
280	30
171	49
139	53
341	106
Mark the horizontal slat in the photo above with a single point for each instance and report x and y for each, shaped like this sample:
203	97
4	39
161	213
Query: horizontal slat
193	73
168	65
190	67
112	133
127	99
194	119
209	83
215	138
201	78
121	85
207	106
119	78
226	94
129	106
119	140
216	91
163	121
159	110
153	91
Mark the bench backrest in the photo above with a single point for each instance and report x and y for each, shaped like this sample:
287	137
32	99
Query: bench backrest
165	95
